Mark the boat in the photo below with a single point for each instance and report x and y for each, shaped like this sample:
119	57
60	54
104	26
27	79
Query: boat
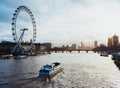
4	57
20	57
116	56
49	71
116	59
9	56
105	54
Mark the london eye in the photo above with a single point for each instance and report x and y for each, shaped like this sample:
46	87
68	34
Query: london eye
19	39
14	19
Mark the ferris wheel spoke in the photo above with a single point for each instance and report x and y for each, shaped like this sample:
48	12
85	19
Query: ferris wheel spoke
14	31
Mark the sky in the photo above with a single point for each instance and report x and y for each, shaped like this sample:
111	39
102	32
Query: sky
63	21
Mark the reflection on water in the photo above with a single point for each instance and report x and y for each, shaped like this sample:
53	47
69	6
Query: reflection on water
81	70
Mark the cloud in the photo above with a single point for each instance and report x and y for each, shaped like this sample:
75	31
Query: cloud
66	21
5	33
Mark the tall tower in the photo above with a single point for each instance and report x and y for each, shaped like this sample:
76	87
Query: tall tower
95	44
115	40
73	46
109	42
82	45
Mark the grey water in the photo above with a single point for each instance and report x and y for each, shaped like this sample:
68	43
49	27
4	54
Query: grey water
81	70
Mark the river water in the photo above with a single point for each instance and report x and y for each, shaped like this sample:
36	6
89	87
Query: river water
81	70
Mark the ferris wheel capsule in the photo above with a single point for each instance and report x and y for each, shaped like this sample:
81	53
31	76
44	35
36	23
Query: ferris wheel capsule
14	19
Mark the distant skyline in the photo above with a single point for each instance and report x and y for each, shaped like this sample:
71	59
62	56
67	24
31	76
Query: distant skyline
63	21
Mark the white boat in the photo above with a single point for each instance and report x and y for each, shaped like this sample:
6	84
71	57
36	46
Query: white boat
20	57
104	54
49	71
9	56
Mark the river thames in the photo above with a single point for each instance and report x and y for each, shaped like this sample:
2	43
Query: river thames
81	70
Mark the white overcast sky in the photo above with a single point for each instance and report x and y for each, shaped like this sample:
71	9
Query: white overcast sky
63	21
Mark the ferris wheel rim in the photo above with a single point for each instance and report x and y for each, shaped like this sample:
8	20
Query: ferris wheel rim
15	15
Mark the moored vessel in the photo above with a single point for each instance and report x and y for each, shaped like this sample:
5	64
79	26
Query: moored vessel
20	57
105	54
116	56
